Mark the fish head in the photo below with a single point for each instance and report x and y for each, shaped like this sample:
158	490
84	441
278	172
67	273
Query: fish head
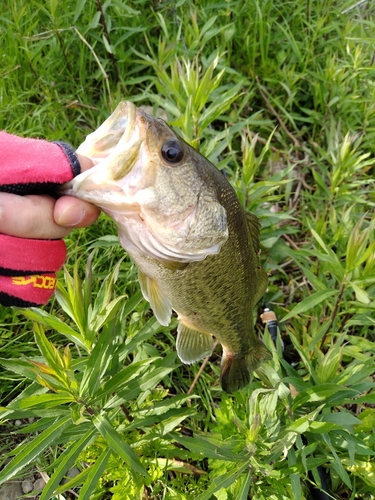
160	191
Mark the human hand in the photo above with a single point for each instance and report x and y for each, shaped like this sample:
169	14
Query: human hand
43	217
32	225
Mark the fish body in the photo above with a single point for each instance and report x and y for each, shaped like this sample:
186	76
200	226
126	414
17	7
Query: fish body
180	220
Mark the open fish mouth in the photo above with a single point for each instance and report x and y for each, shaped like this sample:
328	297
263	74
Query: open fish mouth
114	146
113	134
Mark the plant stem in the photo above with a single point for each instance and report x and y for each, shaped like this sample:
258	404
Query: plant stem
106	34
276	114
205	361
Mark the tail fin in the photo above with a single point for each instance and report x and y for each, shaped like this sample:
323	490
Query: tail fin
236	369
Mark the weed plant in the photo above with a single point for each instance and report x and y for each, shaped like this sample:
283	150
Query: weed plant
280	95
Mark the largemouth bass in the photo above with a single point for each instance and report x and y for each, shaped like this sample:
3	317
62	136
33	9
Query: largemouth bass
181	222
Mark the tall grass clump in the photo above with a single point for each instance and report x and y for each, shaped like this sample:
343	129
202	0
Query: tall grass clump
280	96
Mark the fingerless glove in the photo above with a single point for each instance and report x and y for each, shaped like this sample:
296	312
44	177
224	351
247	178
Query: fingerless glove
28	266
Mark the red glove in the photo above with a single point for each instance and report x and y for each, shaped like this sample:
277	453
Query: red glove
28	266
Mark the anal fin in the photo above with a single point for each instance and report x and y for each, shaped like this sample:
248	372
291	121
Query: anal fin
192	345
159	303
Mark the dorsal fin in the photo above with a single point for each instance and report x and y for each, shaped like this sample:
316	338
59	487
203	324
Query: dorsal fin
253	226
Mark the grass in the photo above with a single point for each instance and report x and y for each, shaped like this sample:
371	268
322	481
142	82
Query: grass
281	96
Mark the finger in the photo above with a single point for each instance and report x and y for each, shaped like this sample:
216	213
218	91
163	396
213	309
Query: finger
85	162
70	212
29	216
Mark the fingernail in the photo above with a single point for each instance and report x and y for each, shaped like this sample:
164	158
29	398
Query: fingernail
71	216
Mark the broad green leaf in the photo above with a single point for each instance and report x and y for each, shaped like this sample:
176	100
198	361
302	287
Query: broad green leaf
38	426
32	450
146	332
107	46
50	353
21	367
117	444
309	303
345	440
302	424
170	421
322	330
103	317
132	302
327	369
321	427
161	407
224	481
368	398
161	424
304	356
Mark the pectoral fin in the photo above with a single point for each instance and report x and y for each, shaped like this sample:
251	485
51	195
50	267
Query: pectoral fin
159	303
192	345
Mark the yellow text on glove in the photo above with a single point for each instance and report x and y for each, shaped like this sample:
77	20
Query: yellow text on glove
37	280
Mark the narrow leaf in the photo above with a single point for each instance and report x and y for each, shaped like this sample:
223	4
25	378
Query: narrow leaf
94	475
243	492
66	460
45	400
223	481
34	449
50	321
117	444
310	302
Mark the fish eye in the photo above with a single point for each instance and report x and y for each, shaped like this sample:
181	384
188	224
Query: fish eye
172	151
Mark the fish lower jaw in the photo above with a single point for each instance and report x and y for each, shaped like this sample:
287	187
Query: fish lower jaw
113	200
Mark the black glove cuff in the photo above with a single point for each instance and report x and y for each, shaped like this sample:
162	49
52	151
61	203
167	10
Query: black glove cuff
71	155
